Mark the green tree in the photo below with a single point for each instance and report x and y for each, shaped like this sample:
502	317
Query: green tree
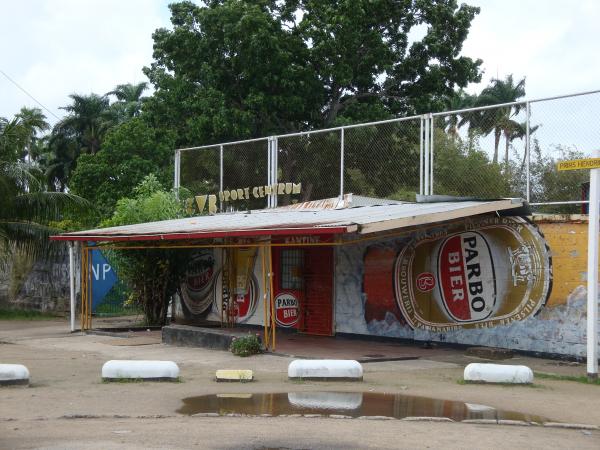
499	120
234	69
239	69
457	101
152	275
33	122
464	171
129	100
26	208
130	151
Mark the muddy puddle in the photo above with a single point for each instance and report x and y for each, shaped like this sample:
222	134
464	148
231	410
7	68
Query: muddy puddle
352	404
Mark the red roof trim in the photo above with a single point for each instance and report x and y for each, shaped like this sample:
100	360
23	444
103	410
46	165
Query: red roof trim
206	235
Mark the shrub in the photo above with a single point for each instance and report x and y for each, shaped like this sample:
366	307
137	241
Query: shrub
246	345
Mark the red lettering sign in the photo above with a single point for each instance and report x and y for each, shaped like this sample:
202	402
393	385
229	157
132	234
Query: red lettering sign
286	310
466	276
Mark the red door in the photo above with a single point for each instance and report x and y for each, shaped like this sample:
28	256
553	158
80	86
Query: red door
316	314
288	285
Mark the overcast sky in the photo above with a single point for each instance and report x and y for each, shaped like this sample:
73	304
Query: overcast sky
56	47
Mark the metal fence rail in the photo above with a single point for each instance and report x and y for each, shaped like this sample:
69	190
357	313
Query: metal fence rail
505	150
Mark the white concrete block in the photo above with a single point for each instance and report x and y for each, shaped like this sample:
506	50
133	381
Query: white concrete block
13	374
325	369
234	375
146	370
498	373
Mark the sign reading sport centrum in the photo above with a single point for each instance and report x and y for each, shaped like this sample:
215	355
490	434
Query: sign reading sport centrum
199	202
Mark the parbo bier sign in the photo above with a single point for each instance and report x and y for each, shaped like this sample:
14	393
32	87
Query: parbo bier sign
477	274
248	193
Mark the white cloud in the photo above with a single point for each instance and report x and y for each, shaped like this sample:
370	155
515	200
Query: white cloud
552	43
55	48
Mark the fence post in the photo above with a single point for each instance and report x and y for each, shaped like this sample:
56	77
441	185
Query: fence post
421	158
72	285
220	176
592	273
275	147
341	163
426	153
269	171
528	150
177	174
431	139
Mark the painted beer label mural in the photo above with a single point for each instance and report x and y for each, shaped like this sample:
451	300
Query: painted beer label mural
473	274
197	289
202	288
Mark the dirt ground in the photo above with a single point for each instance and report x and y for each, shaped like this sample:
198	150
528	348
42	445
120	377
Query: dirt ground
67	406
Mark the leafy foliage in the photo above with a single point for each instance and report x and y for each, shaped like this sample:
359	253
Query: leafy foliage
26	208
131	151
246	345
236	69
152	275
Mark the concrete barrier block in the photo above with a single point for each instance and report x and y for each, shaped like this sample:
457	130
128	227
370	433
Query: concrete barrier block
11	374
325	369
143	370
498	373
234	375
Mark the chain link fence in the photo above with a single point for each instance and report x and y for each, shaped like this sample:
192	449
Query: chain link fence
507	150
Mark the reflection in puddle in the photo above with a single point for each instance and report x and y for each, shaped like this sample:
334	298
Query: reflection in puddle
353	404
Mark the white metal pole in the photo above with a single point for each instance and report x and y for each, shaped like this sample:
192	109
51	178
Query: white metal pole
269	174
72	284
426	152
176	172
528	149
275	166
421	158
220	175
592	273
431	139
341	163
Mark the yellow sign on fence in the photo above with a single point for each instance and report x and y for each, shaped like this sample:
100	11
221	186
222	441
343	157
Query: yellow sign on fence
576	164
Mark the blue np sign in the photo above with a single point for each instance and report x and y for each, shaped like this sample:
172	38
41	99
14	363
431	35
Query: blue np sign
103	278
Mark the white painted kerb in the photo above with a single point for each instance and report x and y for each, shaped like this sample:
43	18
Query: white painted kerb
139	369
498	373
325	368
13	372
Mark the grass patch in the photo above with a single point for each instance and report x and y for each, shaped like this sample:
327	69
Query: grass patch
16	314
575	378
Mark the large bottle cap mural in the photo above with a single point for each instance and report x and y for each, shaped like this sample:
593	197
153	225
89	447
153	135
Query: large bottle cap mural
477	273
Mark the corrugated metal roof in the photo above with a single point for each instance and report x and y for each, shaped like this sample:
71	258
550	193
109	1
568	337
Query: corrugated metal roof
347	201
283	221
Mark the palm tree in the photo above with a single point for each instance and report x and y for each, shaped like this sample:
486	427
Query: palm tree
12	137
26	208
460	100
89	118
499	120
33	122
129	100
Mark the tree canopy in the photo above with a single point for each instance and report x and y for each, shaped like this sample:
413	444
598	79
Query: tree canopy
130	151
236	69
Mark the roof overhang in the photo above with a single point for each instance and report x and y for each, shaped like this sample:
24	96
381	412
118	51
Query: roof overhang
207	235
301	222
